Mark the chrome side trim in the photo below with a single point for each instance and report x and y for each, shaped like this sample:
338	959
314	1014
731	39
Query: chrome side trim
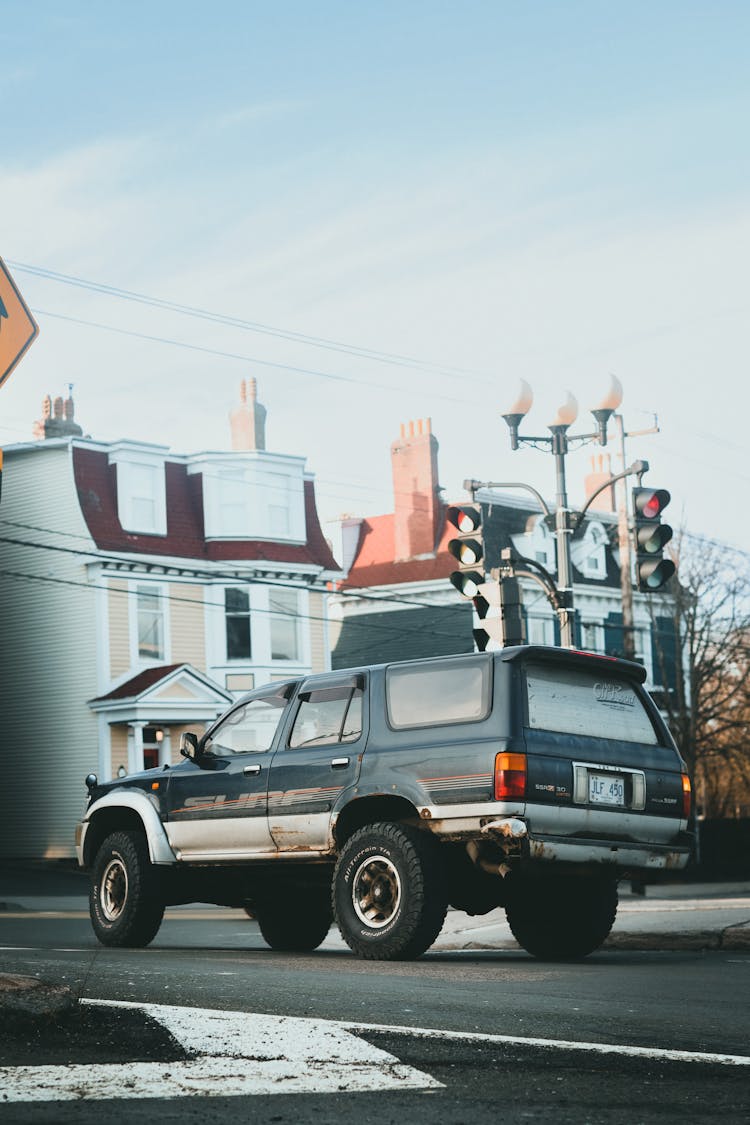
158	844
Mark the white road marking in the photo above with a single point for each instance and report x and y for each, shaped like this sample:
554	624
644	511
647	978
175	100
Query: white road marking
241	1053
235	1054
662	1053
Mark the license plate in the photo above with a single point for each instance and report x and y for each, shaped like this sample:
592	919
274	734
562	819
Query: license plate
604	789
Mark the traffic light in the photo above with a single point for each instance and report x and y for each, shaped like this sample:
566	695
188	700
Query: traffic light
467	548
499	611
651	537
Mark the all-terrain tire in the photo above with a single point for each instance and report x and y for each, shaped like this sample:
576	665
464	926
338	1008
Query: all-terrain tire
297	923
561	917
125	901
388	894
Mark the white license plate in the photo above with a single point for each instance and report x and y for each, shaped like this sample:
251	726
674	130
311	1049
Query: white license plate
606	789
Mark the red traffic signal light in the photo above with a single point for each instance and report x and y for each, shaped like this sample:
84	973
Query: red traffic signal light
467	548
651	537
649	503
465	519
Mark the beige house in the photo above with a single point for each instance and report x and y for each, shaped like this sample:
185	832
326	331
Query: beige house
141	592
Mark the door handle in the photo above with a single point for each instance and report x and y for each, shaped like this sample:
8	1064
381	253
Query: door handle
339	763
250	771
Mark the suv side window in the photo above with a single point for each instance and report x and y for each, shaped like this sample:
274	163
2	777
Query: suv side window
327	716
431	694
248	729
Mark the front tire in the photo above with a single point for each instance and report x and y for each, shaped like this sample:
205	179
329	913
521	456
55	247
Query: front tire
560	917
388	895
125	903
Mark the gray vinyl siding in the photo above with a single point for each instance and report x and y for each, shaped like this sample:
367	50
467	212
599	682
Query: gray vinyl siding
48	655
403	634
318	650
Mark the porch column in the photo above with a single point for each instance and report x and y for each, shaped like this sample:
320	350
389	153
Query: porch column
165	748
135	747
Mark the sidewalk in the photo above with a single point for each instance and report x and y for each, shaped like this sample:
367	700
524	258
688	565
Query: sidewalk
669	918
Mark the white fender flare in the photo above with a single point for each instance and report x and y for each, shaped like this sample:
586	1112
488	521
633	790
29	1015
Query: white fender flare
158	845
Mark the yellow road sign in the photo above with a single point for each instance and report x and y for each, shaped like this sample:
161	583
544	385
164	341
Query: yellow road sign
18	329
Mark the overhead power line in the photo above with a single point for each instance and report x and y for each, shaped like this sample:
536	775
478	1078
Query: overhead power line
394	633
232	355
356	350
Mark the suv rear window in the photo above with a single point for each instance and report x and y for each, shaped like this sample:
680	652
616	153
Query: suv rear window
454	691
579	701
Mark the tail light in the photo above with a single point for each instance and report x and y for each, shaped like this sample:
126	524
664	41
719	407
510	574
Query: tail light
686	796
510	777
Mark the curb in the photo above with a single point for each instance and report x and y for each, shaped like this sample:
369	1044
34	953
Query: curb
27	1002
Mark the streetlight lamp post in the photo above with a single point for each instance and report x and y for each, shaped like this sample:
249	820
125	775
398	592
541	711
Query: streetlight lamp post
559	443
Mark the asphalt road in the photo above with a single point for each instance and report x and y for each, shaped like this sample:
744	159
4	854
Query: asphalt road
660	1002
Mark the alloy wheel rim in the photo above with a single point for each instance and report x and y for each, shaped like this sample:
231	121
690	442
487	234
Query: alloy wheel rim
376	892
114	889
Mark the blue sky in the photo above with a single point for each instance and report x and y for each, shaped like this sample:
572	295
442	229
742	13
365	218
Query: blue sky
550	191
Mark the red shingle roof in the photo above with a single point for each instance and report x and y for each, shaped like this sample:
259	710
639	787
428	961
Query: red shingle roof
374	564
139	683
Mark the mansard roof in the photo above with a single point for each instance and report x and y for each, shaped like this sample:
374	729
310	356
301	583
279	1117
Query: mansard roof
96	482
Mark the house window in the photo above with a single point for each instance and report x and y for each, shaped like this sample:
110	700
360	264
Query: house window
141	487
278	505
538	631
233	503
237	619
594	551
284	606
143	497
150	617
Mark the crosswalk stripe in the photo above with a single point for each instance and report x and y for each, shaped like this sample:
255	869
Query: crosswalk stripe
234	1054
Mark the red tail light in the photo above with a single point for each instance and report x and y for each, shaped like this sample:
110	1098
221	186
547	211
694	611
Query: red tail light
510	777
686	796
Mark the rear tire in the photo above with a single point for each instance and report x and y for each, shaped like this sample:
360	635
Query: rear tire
297	924
125	901
561	917
388	895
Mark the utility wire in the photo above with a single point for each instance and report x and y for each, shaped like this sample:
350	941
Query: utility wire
234	355
355	350
218	576
395	633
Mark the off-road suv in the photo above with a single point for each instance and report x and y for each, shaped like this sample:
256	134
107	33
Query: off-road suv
531	778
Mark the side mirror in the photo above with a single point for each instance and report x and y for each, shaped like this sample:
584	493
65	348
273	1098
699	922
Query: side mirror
189	744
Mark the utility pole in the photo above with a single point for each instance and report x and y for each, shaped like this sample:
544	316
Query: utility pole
625	541
626	565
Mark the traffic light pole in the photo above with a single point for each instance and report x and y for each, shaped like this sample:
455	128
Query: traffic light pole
563	533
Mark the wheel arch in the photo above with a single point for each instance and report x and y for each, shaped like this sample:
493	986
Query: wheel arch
371	810
127	810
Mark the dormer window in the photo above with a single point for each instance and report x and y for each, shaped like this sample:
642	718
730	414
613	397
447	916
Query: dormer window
537	544
141	488
252	495
593	558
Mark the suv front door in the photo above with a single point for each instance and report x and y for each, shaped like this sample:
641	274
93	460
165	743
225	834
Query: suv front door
217	803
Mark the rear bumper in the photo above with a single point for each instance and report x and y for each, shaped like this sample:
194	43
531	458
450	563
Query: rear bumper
623	855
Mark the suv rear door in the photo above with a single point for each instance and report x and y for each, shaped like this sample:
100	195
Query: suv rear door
319	757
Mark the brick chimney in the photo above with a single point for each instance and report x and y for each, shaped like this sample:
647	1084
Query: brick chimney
416	493
58	418
248	420
601	471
